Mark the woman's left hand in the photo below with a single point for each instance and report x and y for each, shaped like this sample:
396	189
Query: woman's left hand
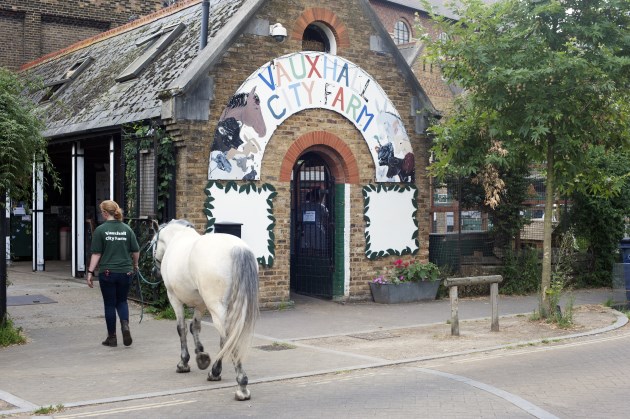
89	280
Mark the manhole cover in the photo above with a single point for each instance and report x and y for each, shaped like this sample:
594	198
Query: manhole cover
374	336
275	347
24	300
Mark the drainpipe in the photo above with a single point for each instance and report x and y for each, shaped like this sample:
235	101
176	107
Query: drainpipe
205	15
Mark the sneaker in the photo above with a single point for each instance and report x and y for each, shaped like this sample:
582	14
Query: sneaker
124	325
111	341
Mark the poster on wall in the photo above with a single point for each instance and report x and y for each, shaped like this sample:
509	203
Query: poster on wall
308	80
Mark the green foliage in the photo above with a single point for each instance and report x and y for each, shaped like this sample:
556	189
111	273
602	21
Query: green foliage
46	410
560	278
535	72
563	319
600	220
546	81
521	272
9	334
147	137
21	142
151	287
415	271
167	312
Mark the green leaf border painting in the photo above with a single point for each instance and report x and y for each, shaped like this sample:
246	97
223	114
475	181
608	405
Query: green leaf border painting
248	204
391	224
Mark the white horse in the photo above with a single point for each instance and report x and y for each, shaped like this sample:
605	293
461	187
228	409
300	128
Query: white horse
214	272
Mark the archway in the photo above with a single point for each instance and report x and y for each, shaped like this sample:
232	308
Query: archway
312	226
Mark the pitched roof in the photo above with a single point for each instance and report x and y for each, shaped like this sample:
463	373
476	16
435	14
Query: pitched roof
96	100
437	5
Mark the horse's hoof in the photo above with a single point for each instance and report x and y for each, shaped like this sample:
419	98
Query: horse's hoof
242	395
203	360
181	369
214	378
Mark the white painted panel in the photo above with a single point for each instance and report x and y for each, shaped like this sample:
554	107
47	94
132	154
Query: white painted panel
391	214
250	209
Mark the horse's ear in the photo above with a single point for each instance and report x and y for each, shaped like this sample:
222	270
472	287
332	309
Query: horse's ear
251	93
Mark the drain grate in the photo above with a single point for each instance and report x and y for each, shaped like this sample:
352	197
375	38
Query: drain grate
375	335
276	347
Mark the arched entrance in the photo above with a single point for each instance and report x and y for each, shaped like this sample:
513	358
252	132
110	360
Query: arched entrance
312	226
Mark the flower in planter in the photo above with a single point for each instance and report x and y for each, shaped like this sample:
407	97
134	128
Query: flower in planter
401	272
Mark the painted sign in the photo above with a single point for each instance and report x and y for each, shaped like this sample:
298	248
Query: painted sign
308	80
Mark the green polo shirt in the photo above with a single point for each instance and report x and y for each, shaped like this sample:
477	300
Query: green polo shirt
115	241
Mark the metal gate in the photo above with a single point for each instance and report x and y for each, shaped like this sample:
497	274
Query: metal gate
312	227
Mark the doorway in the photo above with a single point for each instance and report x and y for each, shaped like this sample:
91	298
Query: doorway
312	227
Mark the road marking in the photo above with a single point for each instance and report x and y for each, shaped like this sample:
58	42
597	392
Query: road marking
126	409
517	401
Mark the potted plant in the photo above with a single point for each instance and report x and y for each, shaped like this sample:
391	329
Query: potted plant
406	282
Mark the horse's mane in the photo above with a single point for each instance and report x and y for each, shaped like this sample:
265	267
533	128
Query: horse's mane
240	99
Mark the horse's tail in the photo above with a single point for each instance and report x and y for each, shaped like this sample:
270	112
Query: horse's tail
242	304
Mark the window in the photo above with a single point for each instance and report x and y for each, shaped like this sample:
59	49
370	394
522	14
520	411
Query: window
50	91
55	87
319	37
166	36
401	33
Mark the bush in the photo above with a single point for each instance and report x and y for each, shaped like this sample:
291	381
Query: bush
521	272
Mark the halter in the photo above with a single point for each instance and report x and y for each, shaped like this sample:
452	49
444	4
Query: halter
157	263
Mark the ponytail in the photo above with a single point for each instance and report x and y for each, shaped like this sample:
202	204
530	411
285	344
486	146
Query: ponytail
112	208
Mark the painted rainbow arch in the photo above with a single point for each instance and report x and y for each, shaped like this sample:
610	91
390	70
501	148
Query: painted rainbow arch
308	80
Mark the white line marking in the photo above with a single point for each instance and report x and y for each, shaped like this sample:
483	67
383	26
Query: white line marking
126	409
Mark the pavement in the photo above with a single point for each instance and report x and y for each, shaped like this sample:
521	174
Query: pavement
64	363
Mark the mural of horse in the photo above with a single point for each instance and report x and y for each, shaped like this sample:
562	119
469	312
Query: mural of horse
213	272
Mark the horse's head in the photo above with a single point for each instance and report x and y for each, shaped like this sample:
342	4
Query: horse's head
162	237
158	247
252	114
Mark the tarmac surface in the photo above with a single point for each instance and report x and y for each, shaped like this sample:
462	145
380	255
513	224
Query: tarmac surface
64	363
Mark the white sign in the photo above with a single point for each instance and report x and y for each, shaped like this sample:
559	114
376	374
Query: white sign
308	80
308	216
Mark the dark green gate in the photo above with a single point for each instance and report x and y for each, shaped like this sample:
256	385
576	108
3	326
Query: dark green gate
312	227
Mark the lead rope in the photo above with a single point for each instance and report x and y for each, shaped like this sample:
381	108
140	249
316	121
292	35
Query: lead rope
138	275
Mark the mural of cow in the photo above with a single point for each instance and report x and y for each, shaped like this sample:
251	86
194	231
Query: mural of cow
234	142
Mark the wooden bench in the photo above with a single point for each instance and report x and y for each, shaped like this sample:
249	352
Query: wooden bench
453	283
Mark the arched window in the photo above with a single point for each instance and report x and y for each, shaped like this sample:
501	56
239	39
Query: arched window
319	37
401	32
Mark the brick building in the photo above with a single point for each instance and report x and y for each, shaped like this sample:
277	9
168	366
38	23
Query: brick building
30	29
402	17
313	143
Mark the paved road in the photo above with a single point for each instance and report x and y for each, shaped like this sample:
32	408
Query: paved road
64	363
589	378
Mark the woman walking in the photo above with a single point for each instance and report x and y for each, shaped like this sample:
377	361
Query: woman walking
115	252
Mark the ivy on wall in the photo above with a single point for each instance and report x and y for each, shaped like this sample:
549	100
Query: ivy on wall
245	213
391	224
147	137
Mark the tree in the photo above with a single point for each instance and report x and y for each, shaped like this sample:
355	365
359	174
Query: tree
545	81
21	145
601	219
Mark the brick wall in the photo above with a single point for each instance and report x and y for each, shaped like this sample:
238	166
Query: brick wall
429	76
390	13
243	58
32	28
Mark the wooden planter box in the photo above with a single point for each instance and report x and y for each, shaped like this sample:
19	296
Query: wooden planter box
407	292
